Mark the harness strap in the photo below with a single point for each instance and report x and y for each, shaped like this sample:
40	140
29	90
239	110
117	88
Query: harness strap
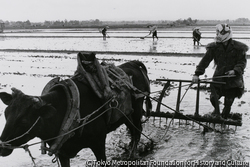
72	114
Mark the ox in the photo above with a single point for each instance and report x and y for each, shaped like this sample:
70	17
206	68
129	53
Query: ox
22	113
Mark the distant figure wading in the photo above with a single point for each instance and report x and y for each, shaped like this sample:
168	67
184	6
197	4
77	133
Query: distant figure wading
104	32
153	31
196	35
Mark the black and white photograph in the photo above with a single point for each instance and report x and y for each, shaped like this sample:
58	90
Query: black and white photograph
124	83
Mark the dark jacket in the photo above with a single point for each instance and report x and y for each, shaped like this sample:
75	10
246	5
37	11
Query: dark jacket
196	35
233	57
104	31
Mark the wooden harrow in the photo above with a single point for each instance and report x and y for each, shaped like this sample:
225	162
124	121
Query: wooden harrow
234	119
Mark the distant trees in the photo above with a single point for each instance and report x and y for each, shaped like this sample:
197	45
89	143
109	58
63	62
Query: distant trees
71	23
98	23
18	23
187	22
242	20
239	21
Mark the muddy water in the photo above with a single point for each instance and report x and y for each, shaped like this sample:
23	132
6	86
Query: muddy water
119	41
174	140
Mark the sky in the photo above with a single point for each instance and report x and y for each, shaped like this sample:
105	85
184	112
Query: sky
122	10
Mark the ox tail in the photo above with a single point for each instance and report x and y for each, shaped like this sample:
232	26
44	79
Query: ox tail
144	72
148	102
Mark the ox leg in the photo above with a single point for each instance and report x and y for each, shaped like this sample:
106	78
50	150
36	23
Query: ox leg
135	137
136	127
99	150
64	161
133	142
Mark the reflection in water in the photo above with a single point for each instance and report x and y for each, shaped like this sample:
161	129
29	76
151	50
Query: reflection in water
197	49
197	46
153	47
2	38
225	148
105	44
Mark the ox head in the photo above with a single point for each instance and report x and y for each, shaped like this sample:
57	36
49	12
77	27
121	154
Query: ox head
21	114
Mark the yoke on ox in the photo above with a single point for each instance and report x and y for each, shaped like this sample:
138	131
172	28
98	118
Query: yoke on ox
79	112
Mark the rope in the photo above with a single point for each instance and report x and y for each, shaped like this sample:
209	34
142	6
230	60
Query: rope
26	147
205	79
135	89
186	92
218	77
85	121
185	115
133	124
167	129
6	142
6	145
178	112
56	160
205	126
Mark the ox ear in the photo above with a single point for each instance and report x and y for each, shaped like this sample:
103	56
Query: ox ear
6	98
46	111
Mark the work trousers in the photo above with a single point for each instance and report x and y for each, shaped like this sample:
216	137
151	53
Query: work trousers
229	96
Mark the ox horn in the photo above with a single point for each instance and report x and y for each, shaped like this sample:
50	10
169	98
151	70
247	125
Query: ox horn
38	102
15	89
37	99
4	144
1	143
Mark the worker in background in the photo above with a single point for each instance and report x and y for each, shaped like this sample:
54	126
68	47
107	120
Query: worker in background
153	31
104	32
196	35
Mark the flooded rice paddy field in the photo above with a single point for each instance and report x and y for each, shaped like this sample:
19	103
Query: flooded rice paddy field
30	71
120	40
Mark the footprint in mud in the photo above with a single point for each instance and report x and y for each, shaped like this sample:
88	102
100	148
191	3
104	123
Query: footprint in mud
119	149
143	149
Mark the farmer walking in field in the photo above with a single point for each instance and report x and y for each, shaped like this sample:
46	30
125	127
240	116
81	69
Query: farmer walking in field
196	35
153	31
230	61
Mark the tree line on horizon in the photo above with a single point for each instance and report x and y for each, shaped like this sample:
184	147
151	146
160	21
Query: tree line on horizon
98	23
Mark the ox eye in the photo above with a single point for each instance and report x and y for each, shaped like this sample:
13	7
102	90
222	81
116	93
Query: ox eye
22	122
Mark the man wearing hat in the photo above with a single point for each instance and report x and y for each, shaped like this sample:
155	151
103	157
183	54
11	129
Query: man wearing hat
230	61
196	35
153	31
104	32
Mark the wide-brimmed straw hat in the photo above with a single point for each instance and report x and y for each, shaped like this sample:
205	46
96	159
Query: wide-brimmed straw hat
197	28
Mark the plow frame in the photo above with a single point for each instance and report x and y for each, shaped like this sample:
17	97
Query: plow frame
235	118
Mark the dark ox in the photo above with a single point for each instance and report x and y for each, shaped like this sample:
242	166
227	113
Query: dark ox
23	111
